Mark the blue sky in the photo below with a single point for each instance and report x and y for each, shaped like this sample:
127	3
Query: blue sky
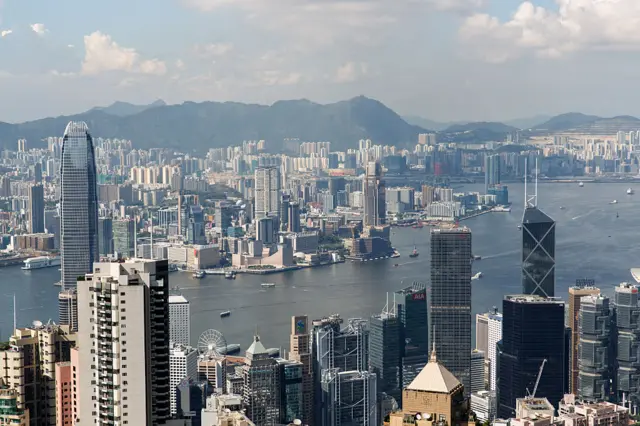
440	59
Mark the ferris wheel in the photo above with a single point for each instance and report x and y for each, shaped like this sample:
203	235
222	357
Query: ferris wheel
212	342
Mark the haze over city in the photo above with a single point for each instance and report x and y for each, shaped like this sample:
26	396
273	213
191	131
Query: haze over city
446	60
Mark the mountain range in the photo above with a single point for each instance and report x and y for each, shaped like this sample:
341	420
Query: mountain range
200	126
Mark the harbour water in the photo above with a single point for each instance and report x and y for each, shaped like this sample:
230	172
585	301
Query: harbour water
591	243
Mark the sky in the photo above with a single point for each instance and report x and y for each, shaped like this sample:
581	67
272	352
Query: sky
439	59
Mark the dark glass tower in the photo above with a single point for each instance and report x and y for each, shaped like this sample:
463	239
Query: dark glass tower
451	300
385	353
78	204
414	322
532	331
538	253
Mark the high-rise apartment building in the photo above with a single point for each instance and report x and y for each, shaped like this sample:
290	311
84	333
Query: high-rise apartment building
300	350
68	308
11	413
78	204
488	334
451	300
267	192
183	364
261	390
491	171
413	314
628	344
124	343
29	367
179	320
596	350
124	235
576	293
375	206
538	252
105	236
36	209
532	331
385	333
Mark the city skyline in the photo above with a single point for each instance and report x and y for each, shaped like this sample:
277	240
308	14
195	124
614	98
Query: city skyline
503	42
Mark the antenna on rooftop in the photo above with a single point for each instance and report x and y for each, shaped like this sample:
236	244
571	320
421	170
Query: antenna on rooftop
530	200
135	240
536	194
526	172
151	217
15	320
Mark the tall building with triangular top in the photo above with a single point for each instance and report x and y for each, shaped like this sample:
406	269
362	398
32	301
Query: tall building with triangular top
261	388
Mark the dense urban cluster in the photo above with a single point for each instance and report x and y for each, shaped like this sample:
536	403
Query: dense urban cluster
120	221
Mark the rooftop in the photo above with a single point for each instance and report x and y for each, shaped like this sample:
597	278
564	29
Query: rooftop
434	377
532	298
177	299
535	215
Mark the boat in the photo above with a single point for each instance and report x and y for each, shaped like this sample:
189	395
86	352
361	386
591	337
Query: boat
268	285
476	257
230	275
614	202
580	184
562	207
395	265
617	215
503	209
225	314
630	191
41	262
414	253
519	226
477	276
198	274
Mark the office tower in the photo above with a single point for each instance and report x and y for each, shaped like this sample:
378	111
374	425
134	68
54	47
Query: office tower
179	320
290	384
491	171
451	299
266	229
596	350
37	173
538	252
267	192
105	236
124	236
223	216
482	333
68	308
385	352
261	396
126	301
195	225
293	223
52	226
414	322
477	379
348	398
374	195
36	209
488	334
300	350
191	398
576	293
284	212
28	365
532	332
78	204
628	344
183	364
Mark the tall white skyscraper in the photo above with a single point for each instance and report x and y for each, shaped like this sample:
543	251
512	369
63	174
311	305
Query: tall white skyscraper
123	312
183	363
267	192
179	320
488	334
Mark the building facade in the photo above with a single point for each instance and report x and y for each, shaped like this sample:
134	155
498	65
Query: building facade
300	350
261	385
412	309
538	253
124	235
385	349
576	293
179	320
375	206
628	342
36	209
183	364
267	192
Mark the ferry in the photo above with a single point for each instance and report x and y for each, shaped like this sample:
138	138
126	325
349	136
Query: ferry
503	209
476	257
198	274
268	285
225	314
630	191
614	202
581	184
41	262
230	275
414	253
477	276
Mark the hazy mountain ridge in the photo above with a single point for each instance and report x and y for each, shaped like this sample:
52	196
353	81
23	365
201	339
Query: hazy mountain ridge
123	109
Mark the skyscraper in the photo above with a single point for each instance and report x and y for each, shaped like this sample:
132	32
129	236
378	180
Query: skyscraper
124	235
183	364
477	371
488	334
532	331
179	320
385	347
78	204
576	293
414	323
348	398
261	396
451	300
491	171
124	342
628	330
105	236
538	252
375	207
596	348
36	209
293	223
267	192
300	350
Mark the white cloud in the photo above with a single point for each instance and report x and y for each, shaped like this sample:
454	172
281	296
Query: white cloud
575	25
5	33
39	29
351	71
102	54
180	65
278	78
70	46
214	49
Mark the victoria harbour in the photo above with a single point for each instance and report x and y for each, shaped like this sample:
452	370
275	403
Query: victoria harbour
357	289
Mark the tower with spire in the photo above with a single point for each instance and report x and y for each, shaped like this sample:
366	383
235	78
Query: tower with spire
261	395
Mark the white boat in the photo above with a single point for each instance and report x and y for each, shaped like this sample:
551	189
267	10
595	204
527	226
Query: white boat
614	202
41	262
477	276
225	314
629	191
198	274
580	184
503	209
230	275
268	285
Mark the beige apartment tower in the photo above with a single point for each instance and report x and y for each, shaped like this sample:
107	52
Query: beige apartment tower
581	289
123	312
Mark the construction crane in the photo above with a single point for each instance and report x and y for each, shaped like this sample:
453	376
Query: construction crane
535	387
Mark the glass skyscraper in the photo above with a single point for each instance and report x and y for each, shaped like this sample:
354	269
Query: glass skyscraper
451	300
385	353
538	253
414	319
78	204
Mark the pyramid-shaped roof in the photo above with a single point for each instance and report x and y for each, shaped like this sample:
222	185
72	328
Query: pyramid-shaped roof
434	377
256	348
